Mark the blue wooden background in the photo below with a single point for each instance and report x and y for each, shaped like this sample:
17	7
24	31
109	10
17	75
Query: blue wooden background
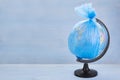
36	31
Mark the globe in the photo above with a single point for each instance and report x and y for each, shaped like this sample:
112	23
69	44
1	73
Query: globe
88	40
84	51
88	46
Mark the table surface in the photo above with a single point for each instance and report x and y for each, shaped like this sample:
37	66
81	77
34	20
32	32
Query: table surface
56	71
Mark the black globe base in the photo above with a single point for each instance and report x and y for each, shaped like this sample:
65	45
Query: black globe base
85	72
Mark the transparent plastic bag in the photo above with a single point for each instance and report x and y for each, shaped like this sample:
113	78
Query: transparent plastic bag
84	39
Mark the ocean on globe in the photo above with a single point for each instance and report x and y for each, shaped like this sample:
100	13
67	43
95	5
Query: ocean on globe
88	38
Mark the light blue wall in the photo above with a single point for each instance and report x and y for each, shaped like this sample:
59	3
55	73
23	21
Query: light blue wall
36	31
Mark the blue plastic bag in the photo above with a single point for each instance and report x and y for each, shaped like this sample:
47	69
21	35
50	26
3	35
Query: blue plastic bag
84	40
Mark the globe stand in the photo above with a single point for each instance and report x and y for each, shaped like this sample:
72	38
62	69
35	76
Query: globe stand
85	72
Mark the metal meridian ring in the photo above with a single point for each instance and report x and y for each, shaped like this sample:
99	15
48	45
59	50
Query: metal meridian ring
105	49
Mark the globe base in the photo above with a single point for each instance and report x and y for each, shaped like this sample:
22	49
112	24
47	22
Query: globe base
85	72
